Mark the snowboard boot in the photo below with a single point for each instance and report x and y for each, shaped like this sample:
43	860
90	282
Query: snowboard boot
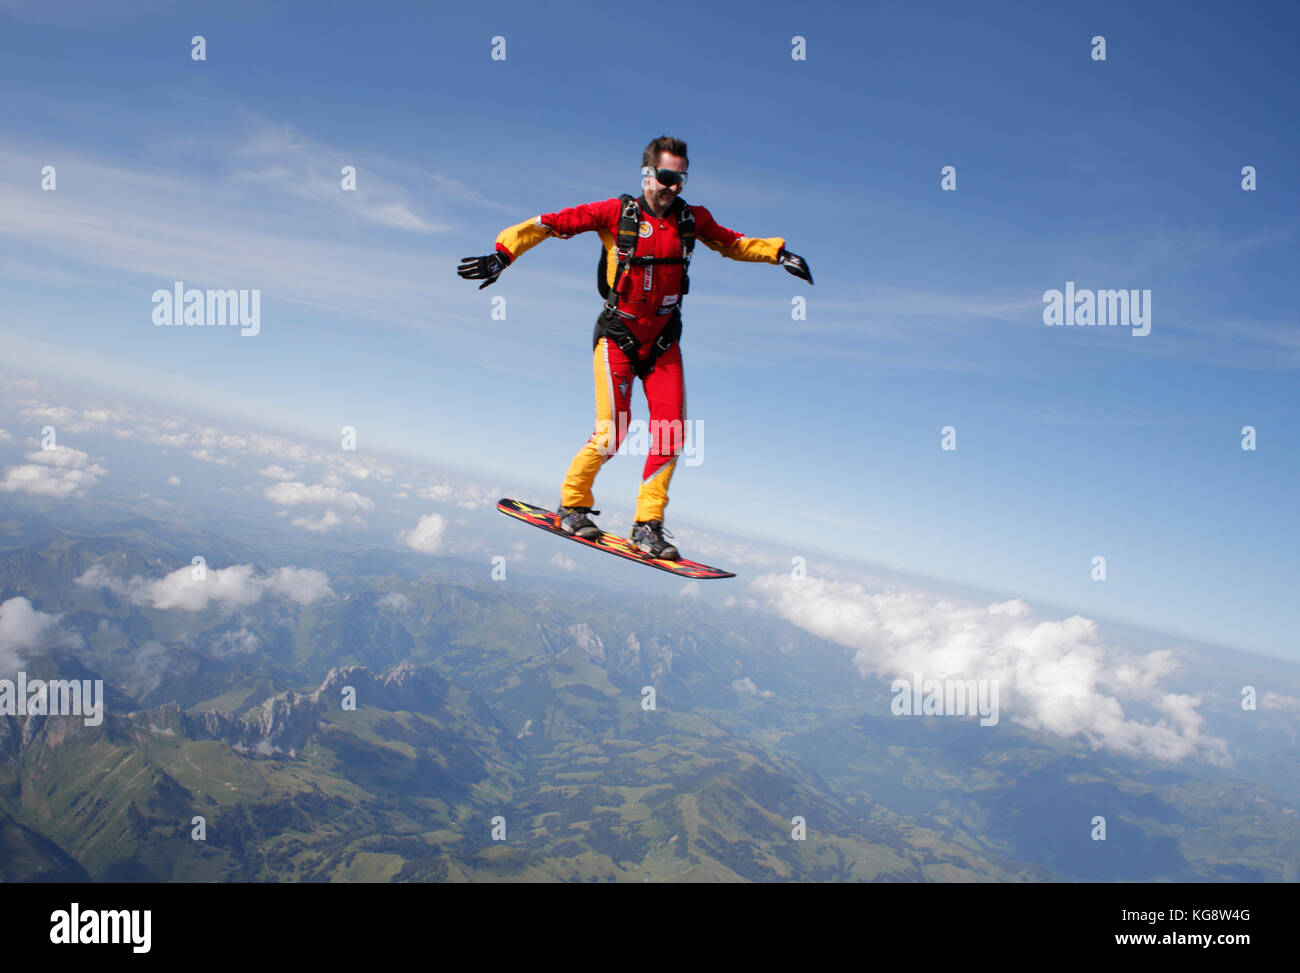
648	537
574	520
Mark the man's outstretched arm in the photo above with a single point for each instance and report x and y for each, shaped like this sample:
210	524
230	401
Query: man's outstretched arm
734	246
515	240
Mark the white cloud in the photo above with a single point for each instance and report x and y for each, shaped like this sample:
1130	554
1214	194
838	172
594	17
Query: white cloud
426	536
720	551
320	494
366	469
262	444
22	628
67	419
303	585
58	472
219	229
748	687
438	491
276	472
40	481
395	600
230	588
38	414
1279	701
174	480
397	215
473	497
328	521
562	561
240	642
151	664
62	457
287	162
469	496
1055	676
208	456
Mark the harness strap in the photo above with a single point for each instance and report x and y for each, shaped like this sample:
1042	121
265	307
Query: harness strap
610	324
629	229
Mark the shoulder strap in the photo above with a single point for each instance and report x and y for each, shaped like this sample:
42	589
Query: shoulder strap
685	227
685	230
629	228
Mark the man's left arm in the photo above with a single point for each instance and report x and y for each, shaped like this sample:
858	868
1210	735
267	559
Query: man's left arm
736	246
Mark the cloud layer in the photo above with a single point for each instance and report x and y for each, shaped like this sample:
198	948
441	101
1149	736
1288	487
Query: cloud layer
1054	676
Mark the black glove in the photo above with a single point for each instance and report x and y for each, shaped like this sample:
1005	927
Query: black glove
795	264
476	268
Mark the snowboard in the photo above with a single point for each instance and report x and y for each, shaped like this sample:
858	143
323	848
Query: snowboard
610	543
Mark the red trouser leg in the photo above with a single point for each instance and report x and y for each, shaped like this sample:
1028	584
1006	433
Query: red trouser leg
665	393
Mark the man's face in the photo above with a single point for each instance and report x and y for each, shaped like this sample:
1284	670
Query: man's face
657	193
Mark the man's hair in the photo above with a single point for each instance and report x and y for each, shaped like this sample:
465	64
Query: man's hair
664	143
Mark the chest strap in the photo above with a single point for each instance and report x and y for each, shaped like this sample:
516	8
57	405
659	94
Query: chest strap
629	231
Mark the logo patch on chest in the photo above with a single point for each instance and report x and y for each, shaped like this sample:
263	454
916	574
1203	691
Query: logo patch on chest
645	230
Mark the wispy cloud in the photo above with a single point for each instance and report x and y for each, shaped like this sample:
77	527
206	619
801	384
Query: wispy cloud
282	161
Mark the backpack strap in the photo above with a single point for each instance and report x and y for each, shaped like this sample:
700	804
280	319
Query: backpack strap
629	229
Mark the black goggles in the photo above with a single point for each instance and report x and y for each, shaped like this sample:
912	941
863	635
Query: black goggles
666	177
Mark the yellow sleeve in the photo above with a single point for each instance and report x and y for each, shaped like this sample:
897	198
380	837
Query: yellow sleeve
754	249
522	236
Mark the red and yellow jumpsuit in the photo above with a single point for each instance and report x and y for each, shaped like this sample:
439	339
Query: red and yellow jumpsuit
650	294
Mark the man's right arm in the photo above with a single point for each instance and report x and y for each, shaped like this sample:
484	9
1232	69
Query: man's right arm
514	240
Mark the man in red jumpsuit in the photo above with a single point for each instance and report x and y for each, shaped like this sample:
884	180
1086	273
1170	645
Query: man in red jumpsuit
645	278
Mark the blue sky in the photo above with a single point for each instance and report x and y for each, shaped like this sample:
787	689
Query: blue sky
927	310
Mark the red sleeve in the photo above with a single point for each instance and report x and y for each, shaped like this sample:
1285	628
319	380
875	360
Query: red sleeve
707	228
733	245
580	219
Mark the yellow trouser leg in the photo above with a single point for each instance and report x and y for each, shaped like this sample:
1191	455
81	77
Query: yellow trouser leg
652	498
576	491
